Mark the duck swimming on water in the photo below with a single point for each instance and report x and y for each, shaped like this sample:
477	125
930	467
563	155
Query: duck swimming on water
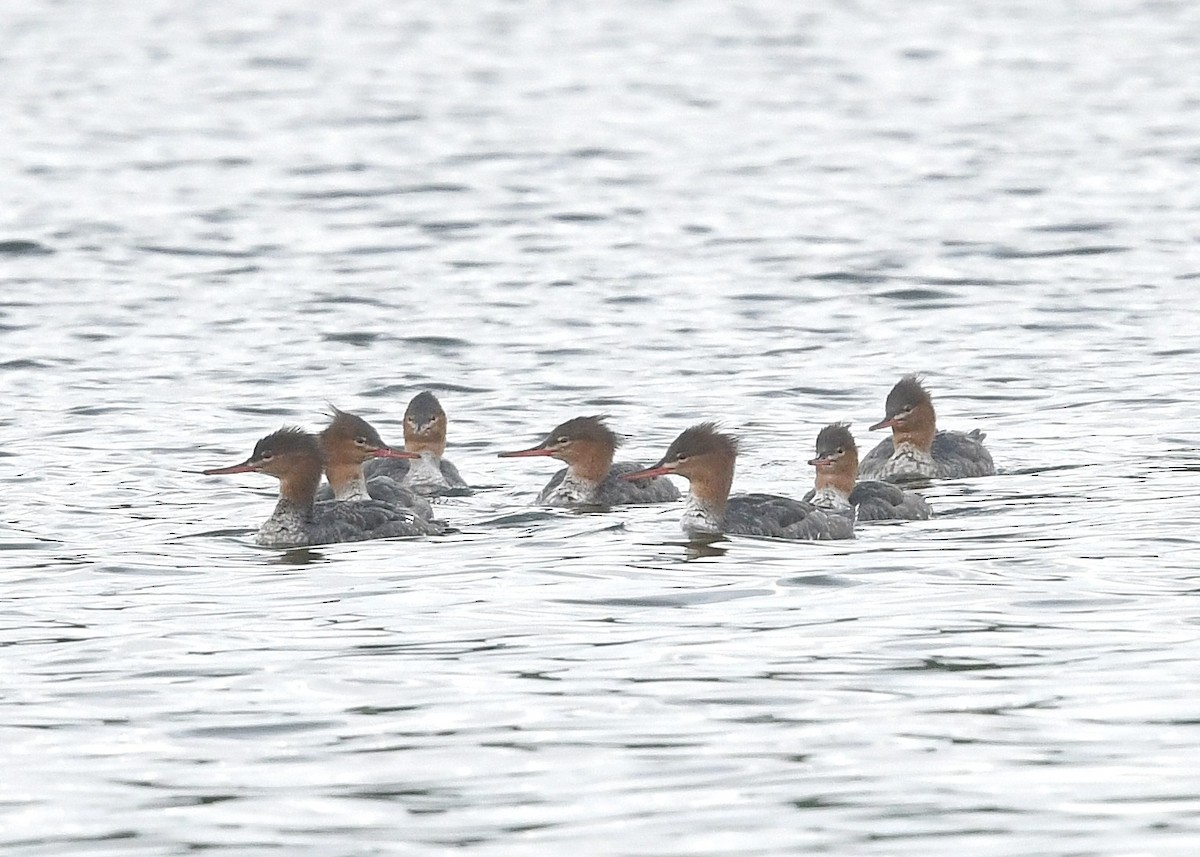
916	449
293	456
837	485
705	457
347	443
591	478
427	472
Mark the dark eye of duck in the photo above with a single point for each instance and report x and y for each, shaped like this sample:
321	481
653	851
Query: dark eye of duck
266	456
681	456
562	439
841	451
361	441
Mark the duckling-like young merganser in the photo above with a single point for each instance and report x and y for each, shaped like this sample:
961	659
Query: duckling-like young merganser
591	478
347	443
916	449
425	435
836	486
293	456
706	457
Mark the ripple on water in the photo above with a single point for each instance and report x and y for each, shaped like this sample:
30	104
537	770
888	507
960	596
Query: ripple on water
17	247
1001	252
360	338
917	295
667	212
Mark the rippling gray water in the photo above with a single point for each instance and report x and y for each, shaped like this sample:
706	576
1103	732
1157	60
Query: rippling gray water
221	216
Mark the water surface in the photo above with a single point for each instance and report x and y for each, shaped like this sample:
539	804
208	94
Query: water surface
222	217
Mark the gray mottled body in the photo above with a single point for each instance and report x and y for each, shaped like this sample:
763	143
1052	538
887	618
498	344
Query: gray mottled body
383	489
429	475
770	515
292	525
954	454
874	501
567	490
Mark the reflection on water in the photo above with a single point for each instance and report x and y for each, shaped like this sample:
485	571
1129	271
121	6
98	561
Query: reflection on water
301	556
700	546
221	218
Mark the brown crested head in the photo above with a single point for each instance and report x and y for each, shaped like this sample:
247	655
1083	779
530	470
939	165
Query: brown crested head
836	448
586	444
697	447
349	439
567	439
697	451
908	398
425	424
291	455
591	429
703	455
837	458
286	451
278	453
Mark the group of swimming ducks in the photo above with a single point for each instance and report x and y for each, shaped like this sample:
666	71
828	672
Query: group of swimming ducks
375	491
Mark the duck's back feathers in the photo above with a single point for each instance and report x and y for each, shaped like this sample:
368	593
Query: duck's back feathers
451	475
399	469
613	491
390	491
356	520
785	518
331	522
393	468
884	501
962	454
387	490
546	495
873	462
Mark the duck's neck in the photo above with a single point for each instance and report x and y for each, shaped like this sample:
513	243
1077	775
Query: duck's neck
426	470
702	517
590	462
287	517
574	491
836	482
293	513
287	527
299	487
918	431
347	481
435	444
707	498
830	498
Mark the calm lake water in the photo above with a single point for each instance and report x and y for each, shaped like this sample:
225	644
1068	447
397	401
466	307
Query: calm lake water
221	216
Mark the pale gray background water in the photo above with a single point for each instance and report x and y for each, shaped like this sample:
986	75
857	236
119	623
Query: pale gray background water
218	216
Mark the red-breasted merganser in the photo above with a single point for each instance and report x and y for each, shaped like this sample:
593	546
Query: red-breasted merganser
705	457
591	478
837	487
425	435
916	449
347	443
293	456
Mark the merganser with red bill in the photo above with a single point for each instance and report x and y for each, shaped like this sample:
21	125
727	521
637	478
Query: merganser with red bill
587	445
428	472
293	456
916	449
837	486
706	457
347	443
